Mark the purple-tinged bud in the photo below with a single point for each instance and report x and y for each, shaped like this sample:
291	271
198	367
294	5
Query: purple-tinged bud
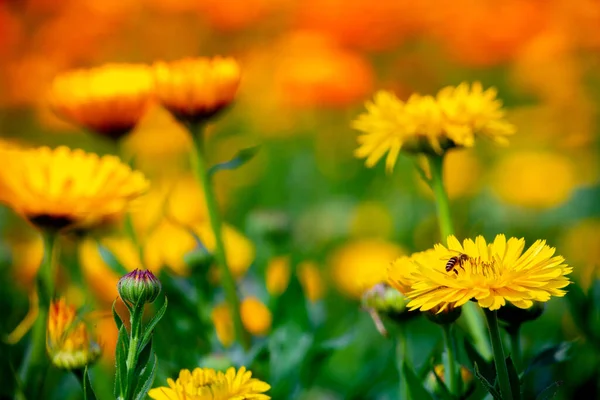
139	287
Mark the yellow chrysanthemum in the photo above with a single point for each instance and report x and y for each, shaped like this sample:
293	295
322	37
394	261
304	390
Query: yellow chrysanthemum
68	342
195	89
109	100
208	384
425	124
493	274
63	187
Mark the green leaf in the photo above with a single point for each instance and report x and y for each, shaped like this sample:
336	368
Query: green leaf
415	386
241	158
143	357
110	260
550	392
121	363
146	378
116	316
486	369
489	387
513	378
149	328
555	354
88	391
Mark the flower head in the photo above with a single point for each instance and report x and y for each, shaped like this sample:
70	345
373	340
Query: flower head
109	100
66	188
426	124
195	89
139	286
490	273
68	341
208	384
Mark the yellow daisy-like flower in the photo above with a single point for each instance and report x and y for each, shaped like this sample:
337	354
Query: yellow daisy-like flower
490	274
208	384
68	341
426	124
66	188
109	100
195	89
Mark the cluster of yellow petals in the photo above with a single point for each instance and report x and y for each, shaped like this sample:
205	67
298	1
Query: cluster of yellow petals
495	273
256	318
208	384
63	187
109	100
67	340
429	124
195	89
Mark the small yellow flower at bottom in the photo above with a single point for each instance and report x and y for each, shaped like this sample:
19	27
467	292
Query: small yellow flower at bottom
208	384
68	342
491	274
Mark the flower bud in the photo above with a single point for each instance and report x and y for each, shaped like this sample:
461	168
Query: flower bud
139	287
385	300
432	383
512	316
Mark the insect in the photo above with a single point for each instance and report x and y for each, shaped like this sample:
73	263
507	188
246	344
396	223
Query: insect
456	261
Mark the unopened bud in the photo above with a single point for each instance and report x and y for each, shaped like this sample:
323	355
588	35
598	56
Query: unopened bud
512	316
445	317
385	300
139	287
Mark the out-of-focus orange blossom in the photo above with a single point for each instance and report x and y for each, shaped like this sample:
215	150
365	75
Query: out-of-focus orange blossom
27	254
278	275
233	15
535	179
311	279
256	319
362	263
314	71
581	244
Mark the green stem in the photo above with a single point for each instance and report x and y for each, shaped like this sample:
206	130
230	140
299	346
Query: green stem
450	371
499	360
471	313
36	363
215	221
515	346
400	357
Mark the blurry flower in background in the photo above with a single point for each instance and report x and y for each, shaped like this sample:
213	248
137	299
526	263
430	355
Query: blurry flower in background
256	319
195	89
99	275
424	124
65	188
536	179
360	264
371	219
27	254
580	243
492	274
208	384
109	100
68	340
278	275
235	15
311	279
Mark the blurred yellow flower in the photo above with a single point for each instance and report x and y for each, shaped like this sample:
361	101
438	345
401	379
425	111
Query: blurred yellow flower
102	280
311	279
278	275
371	219
256	317
534	179
581	245
425	124
64	188
208	384
27	255
360	264
492	274
68	341
109	100
462	173
195	89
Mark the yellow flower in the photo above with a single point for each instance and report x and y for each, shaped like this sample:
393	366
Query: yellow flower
109	100
470	111
278	275
360	264
68	342
63	188
425	124
221	318
491	274
208	384
256	317
311	279
195	89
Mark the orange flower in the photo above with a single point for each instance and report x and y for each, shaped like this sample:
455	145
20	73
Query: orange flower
109	100
196	89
